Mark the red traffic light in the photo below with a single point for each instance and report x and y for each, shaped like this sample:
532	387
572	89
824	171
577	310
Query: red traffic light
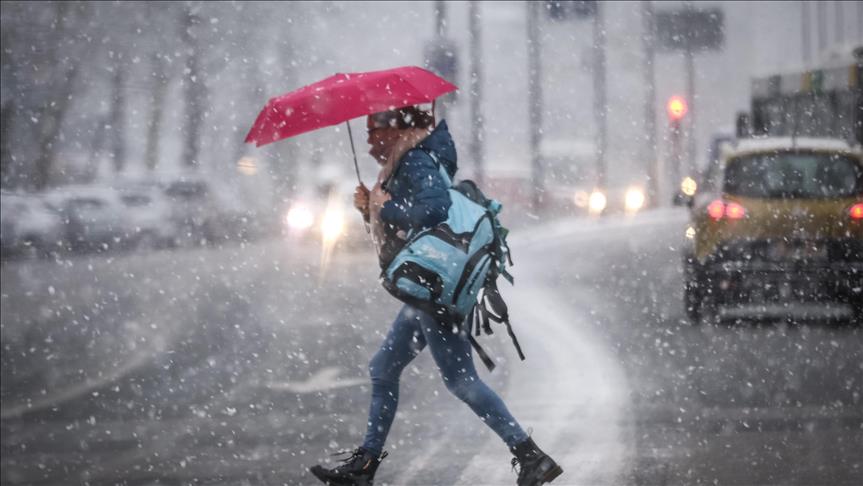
676	107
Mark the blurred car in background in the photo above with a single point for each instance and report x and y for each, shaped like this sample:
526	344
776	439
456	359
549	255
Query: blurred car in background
28	226
102	218
148	217
204	210
625	199
570	181
776	231
326	216
93	216
132	214
191	211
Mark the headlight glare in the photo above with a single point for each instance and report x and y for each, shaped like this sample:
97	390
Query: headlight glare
597	202
299	218
333	225
634	199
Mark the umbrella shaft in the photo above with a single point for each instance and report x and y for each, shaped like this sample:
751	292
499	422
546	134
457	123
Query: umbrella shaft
354	152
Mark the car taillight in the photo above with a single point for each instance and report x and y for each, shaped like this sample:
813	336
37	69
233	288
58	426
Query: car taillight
856	211
734	211
718	209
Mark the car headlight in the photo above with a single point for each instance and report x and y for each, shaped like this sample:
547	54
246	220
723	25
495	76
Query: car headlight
299	218
690	233
634	199
597	202
688	186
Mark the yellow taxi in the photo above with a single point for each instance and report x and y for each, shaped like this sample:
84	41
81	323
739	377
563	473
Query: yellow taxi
776	231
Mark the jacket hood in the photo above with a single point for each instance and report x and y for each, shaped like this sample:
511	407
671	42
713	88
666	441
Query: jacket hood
440	142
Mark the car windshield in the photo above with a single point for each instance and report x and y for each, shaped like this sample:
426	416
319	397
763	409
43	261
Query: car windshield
86	204
135	200
794	175
187	190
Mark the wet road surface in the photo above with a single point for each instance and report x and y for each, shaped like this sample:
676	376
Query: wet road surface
246	365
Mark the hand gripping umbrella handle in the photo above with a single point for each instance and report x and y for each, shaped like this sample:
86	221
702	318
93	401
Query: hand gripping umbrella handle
357	167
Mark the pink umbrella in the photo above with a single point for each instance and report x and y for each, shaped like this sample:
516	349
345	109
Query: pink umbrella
342	97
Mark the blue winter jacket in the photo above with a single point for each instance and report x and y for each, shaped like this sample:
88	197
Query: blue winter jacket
420	197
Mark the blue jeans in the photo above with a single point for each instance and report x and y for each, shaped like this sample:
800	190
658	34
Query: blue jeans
411	332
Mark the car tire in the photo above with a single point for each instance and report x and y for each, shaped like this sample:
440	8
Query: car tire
709	312
692	300
857	315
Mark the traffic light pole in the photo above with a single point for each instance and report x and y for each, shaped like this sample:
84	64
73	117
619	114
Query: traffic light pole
689	30
689	58
805	35
676	153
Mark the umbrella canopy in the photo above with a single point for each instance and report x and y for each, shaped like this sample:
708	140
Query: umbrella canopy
342	97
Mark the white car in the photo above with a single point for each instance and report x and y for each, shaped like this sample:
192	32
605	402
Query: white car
28	226
93	216
148	217
205	210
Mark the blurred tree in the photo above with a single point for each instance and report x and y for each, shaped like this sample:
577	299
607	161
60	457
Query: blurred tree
7	107
158	88
286	169
160	74
46	48
57	86
88	83
194	89
117	119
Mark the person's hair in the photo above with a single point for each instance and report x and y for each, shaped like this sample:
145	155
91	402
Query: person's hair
402	118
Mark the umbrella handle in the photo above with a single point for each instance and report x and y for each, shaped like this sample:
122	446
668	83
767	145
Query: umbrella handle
357	167
354	152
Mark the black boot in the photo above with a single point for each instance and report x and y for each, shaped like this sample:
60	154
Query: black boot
536	466
357	470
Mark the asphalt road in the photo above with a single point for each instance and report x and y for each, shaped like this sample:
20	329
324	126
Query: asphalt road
246	365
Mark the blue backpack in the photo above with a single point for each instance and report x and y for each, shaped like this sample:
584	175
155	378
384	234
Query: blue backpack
450	271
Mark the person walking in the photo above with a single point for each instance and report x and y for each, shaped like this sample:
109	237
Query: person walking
411	195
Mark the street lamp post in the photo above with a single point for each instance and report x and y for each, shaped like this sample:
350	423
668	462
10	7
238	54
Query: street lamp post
535	100
439	40
600	104
650	104
476	121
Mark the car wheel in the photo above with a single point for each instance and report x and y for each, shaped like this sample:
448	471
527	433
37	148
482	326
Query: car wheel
692	300
709	310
